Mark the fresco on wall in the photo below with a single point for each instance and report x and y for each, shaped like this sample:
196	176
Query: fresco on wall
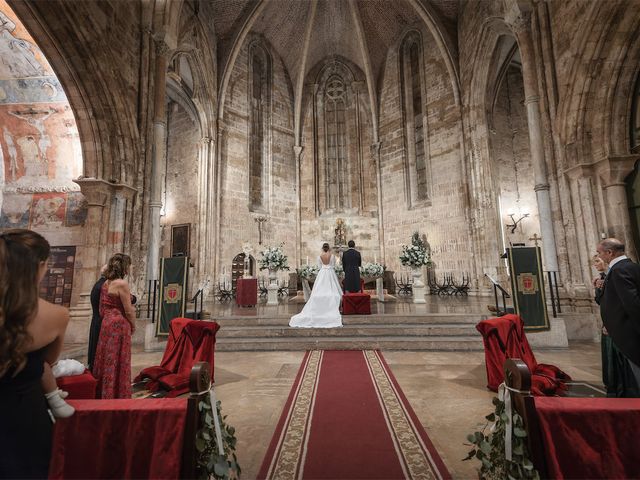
76	209
47	210
18	55
16	211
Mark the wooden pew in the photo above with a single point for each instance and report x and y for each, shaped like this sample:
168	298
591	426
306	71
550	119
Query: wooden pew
91	443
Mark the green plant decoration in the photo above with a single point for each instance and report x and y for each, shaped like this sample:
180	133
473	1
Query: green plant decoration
210	462
489	449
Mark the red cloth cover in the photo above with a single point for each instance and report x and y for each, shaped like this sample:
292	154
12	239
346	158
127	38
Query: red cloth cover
190	341
120	439
356	304
504	338
79	386
247	292
590	437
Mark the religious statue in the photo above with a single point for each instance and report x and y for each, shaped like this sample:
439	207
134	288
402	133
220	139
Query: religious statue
340	233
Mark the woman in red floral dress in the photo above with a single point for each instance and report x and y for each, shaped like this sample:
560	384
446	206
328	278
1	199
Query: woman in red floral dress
112	365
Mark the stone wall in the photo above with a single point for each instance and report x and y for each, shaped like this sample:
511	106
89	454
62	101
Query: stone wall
237	225
443	220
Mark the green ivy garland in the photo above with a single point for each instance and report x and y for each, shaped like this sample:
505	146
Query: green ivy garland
489	449
210	463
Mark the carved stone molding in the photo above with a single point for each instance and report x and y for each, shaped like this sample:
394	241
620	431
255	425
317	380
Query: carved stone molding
613	169
96	191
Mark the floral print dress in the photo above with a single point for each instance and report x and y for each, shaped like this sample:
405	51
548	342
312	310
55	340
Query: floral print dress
112	365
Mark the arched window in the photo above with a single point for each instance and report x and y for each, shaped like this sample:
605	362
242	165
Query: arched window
259	116
417	165
337	171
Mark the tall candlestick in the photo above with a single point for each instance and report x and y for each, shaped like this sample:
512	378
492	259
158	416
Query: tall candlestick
307	259
375	258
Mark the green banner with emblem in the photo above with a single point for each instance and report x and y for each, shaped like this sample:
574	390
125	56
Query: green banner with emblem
527	285
172	298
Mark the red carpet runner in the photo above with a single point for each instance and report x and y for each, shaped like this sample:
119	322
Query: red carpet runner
346	418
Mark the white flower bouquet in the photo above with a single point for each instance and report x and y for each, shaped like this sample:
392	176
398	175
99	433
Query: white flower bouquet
273	258
415	255
372	270
308	272
339	270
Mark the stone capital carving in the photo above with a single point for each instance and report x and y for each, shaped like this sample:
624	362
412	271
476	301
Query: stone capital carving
297	150
162	48
583	170
518	15
124	191
375	148
96	191
613	169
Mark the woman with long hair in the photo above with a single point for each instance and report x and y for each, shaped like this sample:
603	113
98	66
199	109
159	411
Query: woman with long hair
112	364
31	335
322	310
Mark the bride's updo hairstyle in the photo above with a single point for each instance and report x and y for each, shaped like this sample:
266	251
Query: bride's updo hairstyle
325	247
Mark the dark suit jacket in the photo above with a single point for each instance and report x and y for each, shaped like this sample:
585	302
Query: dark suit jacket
620	308
351	262
96	321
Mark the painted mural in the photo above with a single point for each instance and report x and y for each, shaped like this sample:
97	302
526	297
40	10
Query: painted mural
39	142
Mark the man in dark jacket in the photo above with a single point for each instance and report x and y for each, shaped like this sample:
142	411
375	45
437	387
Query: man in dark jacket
351	262
96	319
620	311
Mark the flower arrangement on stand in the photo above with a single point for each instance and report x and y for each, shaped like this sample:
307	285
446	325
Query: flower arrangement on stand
416	256
372	270
308	272
339	269
273	259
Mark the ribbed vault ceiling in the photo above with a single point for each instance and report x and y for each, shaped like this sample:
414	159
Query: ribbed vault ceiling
334	31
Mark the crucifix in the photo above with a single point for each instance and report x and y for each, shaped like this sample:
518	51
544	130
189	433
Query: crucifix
536	238
260	220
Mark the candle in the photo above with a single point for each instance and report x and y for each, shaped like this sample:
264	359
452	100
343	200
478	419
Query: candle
375	258
307	259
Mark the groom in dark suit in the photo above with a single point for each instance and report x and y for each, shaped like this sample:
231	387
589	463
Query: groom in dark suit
620	311
351	262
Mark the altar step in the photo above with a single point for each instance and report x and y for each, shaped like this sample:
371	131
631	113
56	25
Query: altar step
388	332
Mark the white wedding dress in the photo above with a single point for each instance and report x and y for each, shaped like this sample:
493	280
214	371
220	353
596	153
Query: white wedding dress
322	310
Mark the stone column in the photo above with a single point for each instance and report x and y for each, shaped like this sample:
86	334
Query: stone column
91	256
159	157
613	170
206	209
375	153
522	30
217	197
297	151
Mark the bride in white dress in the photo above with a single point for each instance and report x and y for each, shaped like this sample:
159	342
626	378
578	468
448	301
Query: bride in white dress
322	310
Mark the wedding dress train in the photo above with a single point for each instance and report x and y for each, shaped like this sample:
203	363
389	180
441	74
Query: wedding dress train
322	310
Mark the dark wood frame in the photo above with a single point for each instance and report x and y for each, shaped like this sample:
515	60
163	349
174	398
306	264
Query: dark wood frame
180	226
199	385
518	376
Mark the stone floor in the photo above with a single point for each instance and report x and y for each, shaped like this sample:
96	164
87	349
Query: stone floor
446	390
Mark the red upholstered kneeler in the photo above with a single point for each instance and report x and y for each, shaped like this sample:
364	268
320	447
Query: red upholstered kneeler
247	292
80	387
356	304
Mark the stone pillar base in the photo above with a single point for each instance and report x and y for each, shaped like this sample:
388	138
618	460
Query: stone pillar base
79	322
151	342
556	337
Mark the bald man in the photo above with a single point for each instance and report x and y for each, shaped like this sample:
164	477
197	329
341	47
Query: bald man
620	311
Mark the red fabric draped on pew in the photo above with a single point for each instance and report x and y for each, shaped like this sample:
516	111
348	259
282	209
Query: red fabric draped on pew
79	387
190	341
590	437
120	439
504	338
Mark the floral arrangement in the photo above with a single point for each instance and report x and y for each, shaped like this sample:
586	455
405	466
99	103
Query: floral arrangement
339	270
415	255
273	258
210	463
489	448
308	272
372	270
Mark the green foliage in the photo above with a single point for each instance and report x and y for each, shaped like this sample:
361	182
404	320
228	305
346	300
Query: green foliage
489	448
210	463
